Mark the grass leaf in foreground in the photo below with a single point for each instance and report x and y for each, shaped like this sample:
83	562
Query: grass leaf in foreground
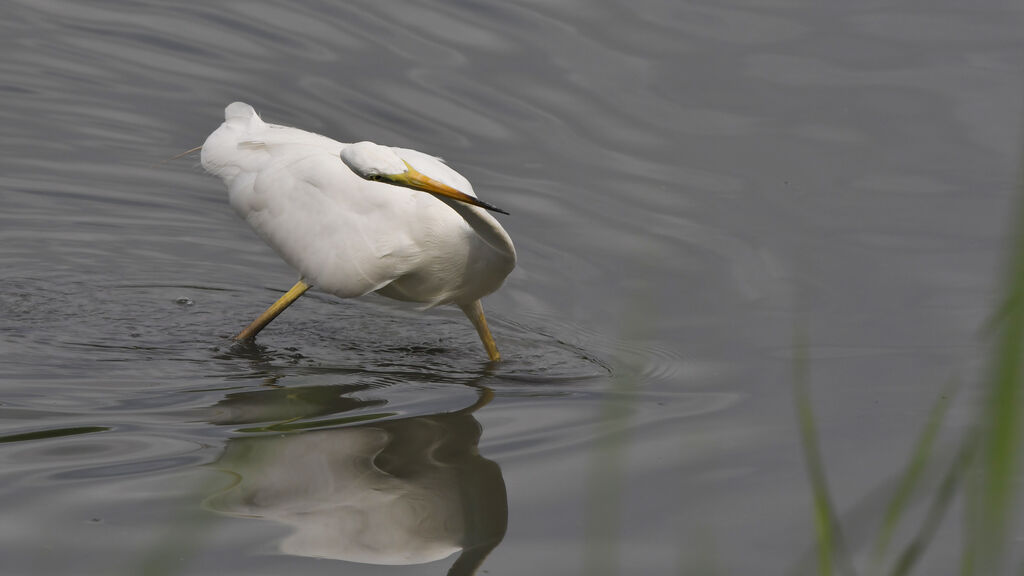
831	547
912	475
1001	419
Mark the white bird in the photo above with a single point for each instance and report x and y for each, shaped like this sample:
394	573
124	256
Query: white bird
360	218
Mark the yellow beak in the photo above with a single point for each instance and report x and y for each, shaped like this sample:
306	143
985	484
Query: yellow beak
418	181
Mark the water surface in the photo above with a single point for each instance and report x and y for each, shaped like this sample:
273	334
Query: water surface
686	184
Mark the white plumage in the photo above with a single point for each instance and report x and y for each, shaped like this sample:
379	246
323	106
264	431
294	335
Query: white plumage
357	218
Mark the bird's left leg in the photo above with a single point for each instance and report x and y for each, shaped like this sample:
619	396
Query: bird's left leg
276	308
475	312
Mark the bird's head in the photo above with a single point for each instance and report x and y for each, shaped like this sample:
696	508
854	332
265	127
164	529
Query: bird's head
382	164
373	161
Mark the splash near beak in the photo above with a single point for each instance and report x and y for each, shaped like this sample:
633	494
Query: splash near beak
419	181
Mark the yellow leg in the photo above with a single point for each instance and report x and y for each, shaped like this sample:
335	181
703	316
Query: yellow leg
475	312
276	308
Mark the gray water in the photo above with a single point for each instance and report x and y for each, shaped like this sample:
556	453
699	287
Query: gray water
690	185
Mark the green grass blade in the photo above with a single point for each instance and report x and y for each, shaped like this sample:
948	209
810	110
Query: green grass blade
952	481
831	548
912	475
1000	439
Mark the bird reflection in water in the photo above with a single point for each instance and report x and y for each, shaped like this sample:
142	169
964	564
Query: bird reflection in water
399	491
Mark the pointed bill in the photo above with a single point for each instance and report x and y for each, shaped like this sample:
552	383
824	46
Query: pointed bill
418	181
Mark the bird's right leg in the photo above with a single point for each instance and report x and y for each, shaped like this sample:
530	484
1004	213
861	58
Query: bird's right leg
475	312
276	308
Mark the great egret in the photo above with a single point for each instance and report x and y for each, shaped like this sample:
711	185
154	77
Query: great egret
354	218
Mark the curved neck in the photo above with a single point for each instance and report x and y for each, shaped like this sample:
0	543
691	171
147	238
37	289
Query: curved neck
485	226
